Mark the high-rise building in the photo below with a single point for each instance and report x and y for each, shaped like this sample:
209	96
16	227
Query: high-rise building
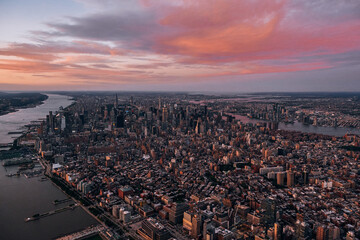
278	231
62	123
177	212
196	226
290	178
322	233
51	122
187	220
334	233
116	102
208	229
120	121
152	230
115	211
164	114
269	207
280	176
302	229
306	177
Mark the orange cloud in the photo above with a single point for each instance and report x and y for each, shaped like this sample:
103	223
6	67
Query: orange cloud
262	69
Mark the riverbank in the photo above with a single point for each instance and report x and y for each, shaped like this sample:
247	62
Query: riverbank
10	103
23	197
97	213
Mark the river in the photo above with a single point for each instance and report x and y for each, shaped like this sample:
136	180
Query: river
297	126
22	197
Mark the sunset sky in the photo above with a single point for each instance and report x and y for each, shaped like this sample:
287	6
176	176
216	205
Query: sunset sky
180	45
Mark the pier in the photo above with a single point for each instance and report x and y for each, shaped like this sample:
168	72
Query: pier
13	175
47	214
15	132
3	145
17	161
56	202
88	232
6	145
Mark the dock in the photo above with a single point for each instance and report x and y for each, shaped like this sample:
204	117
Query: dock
17	161
88	232
6	145
16	132
56	202
13	175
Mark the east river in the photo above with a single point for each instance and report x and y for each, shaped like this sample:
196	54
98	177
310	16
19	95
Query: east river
297	126
22	197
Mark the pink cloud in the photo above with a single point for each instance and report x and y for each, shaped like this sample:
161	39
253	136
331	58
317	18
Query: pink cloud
202	38
217	31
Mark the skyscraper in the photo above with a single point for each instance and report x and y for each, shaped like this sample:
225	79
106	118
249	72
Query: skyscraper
322	233
196	226
302	230
290	178
51	122
164	114
269	207
177	212
280	176
278	230
120	121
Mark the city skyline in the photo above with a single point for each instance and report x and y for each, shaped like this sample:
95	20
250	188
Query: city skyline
106	165
145	45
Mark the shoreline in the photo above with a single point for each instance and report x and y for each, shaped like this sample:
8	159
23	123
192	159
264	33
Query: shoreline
55	180
26	127
14	145
80	200
30	105
295	122
350	130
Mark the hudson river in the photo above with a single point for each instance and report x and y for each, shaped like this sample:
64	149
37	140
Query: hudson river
22	197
